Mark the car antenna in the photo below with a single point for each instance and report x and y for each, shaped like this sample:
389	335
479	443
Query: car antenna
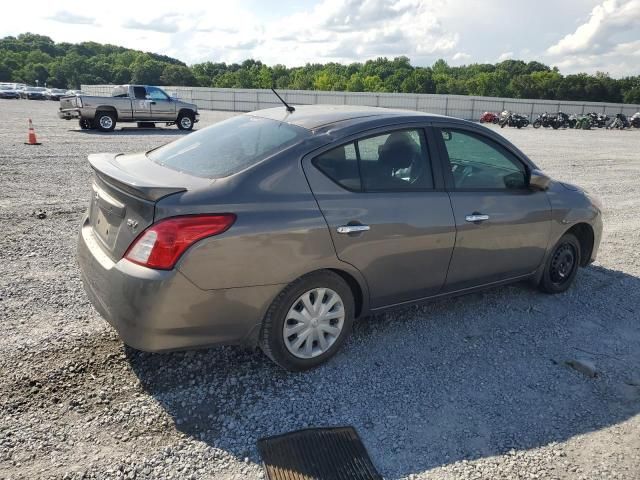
289	108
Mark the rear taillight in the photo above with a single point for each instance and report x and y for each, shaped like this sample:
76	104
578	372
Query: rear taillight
161	245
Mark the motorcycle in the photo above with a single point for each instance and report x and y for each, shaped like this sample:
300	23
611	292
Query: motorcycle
543	120
514	120
489	117
598	120
620	122
573	120
635	120
561	120
583	122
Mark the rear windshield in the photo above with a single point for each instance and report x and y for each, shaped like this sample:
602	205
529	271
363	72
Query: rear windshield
227	147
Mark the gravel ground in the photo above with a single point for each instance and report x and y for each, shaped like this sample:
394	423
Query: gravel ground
470	388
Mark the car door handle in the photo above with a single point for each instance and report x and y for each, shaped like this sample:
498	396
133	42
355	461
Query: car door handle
476	217
353	228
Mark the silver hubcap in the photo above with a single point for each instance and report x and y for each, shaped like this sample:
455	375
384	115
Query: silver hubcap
185	122
313	323
106	122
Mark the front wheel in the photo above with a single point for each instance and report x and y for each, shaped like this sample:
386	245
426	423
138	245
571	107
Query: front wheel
185	121
562	265
537	124
308	321
495	120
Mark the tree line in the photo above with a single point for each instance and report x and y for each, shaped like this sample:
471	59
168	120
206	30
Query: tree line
30	57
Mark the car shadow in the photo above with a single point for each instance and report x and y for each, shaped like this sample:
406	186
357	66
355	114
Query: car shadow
135	131
430	385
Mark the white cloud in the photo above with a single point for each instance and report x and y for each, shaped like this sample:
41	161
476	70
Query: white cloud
607	20
461	56
64	16
505	56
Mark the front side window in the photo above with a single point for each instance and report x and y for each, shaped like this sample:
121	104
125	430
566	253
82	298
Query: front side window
154	93
227	147
393	161
479	163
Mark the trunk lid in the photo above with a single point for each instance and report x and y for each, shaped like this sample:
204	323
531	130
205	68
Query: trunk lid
124	192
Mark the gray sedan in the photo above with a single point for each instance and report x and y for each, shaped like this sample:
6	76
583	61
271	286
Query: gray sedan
279	229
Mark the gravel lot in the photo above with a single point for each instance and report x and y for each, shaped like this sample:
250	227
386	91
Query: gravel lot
475	387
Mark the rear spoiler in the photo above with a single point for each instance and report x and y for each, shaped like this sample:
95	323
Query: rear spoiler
105	168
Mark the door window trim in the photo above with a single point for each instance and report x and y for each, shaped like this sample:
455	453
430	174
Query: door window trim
431	151
491	142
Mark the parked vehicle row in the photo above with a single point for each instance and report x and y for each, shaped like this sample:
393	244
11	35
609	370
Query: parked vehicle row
563	120
29	92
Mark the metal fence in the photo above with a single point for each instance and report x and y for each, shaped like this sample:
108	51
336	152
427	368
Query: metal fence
461	106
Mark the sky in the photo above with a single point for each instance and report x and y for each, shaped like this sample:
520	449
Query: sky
574	35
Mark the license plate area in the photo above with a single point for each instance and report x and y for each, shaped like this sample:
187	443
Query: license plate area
106	215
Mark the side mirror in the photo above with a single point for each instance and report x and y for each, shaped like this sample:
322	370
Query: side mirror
538	180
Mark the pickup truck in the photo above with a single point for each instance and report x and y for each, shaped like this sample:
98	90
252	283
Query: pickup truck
143	104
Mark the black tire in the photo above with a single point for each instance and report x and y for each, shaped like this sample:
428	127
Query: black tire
495	120
537	124
272	340
562	265
105	121
185	121
85	124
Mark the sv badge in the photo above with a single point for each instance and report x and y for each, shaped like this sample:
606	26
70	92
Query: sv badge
132	224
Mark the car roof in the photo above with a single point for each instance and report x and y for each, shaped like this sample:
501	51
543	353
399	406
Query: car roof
313	117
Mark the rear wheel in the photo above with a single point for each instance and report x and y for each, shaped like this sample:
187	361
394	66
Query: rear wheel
562	265
105	121
495	120
308	322
185	121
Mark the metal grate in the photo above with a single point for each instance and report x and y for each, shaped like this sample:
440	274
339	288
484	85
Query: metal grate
317	454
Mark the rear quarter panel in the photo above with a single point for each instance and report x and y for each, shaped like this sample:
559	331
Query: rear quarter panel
279	235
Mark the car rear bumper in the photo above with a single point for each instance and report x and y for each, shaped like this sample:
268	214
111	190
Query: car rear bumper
156	310
68	114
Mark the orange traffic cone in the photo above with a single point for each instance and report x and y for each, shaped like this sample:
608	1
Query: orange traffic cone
32	136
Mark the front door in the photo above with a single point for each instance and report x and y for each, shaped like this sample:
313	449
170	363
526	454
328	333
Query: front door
162	107
503	226
385	213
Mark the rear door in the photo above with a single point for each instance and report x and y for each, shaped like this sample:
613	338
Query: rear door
503	225
140	105
162	107
387	211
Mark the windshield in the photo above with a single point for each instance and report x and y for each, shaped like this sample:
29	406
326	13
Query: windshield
36	89
5	87
227	147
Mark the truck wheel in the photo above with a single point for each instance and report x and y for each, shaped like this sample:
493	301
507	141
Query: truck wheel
105	121
185	121
85	124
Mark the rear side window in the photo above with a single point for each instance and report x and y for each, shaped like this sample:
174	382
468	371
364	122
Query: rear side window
140	93
394	161
341	165
227	147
